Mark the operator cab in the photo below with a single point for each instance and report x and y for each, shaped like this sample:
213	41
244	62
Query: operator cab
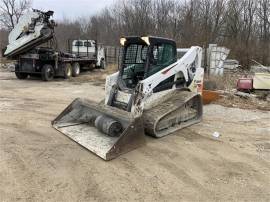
142	57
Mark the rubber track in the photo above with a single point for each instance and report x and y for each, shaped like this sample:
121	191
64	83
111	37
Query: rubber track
176	100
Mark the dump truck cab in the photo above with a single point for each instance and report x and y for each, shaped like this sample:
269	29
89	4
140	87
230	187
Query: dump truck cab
84	48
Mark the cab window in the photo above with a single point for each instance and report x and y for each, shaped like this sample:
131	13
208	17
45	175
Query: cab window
133	64
162	56
78	43
87	44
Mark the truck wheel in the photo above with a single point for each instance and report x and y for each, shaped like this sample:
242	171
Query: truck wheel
20	75
102	64
67	71
75	69
47	73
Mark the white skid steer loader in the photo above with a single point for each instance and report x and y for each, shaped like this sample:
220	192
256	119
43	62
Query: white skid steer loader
152	93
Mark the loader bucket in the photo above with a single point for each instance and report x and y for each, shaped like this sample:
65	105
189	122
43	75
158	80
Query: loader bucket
106	131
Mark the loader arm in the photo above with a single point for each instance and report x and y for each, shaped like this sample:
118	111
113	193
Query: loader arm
182	67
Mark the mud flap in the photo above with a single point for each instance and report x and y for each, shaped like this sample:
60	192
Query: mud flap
77	122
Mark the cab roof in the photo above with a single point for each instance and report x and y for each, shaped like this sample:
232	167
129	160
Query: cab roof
145	39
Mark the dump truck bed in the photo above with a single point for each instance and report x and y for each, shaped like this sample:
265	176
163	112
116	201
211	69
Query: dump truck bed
33	29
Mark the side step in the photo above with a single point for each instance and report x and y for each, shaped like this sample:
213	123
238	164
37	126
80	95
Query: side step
78	122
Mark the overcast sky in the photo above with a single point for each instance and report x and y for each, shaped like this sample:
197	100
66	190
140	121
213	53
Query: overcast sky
71	8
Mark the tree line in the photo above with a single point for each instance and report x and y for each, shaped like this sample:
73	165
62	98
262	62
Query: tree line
241	25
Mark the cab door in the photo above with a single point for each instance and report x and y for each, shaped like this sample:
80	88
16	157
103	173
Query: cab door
161	56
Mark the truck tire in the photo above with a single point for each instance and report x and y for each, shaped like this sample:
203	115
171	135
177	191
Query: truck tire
47	73
67	71
20	75
102	64
76	69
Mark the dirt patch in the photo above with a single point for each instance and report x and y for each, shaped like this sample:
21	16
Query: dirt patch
226	82
96	76
231	100
37	163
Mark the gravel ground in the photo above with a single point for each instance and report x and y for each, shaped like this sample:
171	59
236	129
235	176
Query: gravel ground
37	163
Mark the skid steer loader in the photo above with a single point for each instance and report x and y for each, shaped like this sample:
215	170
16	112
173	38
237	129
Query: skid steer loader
152	93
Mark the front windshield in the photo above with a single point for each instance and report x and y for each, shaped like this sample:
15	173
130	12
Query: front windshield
135	56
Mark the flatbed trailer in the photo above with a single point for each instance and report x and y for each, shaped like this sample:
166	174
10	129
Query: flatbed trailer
49	63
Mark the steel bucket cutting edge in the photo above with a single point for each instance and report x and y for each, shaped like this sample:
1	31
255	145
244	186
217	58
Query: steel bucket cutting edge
79	122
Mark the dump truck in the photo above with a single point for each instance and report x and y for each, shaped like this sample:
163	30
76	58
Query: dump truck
153	93
33	44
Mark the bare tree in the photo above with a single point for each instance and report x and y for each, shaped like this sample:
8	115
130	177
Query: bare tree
11	11
65	31
264	19
3	40
241	25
